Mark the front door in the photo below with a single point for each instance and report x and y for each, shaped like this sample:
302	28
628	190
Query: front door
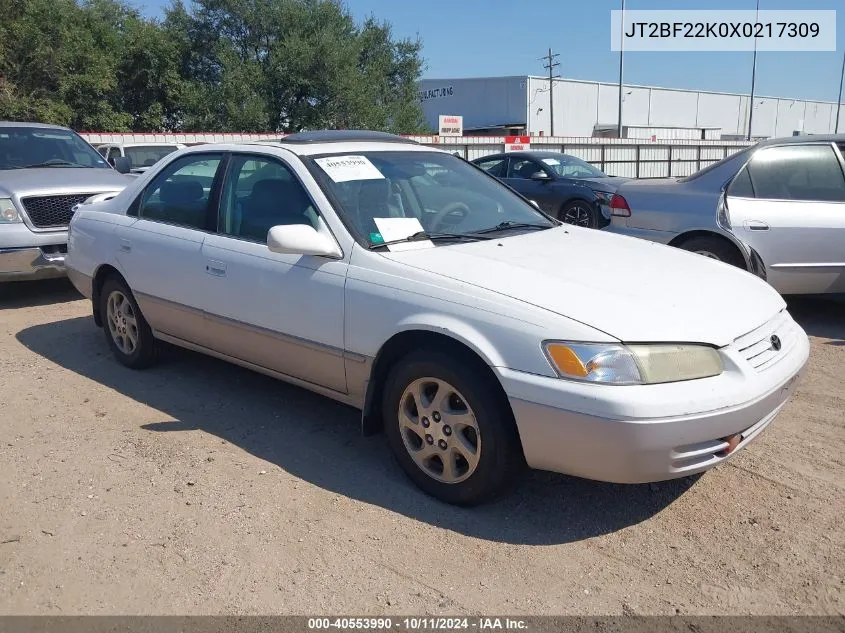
160	253
788	204
280	312
519	177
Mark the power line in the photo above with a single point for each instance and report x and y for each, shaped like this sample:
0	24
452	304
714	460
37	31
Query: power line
550	65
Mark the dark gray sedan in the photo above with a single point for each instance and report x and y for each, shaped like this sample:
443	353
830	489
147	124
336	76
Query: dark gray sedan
563	186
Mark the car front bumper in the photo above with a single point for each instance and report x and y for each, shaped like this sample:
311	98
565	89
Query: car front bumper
646	433
31	263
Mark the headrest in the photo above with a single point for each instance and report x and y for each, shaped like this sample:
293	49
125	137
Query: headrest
181	192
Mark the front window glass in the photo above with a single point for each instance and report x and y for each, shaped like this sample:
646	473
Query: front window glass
147	155
261	193
31	147
441	192
571	167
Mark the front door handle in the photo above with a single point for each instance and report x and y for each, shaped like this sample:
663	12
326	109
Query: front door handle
125	245
756	225
216	268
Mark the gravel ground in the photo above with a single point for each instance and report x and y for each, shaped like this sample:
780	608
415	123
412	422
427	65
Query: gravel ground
197	487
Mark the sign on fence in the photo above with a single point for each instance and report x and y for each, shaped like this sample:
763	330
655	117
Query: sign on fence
517	143
451	125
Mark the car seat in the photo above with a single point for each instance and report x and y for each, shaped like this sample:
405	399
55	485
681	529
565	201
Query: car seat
272	202
374	201
183	202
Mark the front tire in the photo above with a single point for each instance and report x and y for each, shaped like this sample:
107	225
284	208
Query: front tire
128	334
715	248
450	428
579	213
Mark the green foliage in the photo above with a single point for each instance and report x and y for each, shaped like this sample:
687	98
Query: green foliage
220	65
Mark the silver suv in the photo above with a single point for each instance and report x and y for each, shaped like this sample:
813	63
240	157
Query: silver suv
45	172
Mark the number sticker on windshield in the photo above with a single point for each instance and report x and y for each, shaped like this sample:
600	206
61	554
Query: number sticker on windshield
346	168
551	161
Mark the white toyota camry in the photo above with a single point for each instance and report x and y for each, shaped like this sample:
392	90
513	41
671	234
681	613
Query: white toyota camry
476	332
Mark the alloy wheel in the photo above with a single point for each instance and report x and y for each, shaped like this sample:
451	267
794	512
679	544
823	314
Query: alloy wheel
439	430
577	214
122	323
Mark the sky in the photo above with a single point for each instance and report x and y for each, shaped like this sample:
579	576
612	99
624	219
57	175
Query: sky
481	38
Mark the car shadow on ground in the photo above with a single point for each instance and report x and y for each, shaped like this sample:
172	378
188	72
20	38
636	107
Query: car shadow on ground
822	316
24	294
319	441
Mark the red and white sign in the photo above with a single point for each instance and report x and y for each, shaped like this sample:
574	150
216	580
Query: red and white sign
451	125
517	143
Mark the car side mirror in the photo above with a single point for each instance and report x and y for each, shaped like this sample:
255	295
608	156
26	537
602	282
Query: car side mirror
300	239
121	164
540	175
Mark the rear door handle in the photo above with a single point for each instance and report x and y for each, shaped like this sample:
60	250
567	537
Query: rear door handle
125	245
218	269
756	225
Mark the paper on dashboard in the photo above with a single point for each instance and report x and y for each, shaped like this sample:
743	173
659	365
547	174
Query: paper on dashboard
400	228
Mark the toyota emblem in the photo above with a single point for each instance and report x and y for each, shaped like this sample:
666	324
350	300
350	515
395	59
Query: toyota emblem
775	341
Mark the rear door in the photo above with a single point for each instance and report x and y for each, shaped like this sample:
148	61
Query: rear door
788	203
160	253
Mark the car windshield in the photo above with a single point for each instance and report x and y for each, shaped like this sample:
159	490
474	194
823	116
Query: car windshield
571	167
382	193
147	155
30	147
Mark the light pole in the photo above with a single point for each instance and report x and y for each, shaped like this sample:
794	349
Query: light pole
753	79
621	61
839	100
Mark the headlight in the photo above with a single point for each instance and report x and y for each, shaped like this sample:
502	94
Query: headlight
603	197
8	213
616	364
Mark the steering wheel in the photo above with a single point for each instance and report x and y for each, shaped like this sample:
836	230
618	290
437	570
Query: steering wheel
452	209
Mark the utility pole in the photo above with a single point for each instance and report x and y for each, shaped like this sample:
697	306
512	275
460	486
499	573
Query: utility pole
839	100
621	53
550	66
753	79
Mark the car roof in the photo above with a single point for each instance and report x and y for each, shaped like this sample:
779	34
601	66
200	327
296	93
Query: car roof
804	138
524	154
46	126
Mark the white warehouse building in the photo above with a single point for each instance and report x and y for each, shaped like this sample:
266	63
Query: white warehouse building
520	105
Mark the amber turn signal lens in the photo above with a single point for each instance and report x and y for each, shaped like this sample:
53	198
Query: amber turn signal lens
567	361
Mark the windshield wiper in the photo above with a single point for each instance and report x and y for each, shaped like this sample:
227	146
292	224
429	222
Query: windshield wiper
503	226
53	162
420	236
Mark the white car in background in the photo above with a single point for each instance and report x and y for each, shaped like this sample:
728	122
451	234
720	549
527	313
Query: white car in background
455	315
141	156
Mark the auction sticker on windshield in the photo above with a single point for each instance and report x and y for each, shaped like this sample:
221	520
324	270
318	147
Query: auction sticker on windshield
398	229
346	168
551	161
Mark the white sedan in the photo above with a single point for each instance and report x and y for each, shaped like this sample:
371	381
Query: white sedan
478	333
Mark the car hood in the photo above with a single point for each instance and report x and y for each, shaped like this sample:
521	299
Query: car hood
633	290
603	183
60	180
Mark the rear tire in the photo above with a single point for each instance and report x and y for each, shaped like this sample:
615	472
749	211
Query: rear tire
579	213
128	334
715	248
450	428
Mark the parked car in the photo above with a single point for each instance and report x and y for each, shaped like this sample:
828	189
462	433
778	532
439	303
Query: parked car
776	209
464	329
45	170
564	186
141	156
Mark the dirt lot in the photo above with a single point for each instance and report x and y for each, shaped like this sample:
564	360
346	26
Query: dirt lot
199	487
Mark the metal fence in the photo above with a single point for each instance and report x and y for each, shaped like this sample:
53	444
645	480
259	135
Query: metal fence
634	158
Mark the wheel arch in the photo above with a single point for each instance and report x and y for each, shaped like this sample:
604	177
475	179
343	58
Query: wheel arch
481	356
104	271
741	250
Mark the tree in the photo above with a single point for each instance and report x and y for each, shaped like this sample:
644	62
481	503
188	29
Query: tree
223	65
